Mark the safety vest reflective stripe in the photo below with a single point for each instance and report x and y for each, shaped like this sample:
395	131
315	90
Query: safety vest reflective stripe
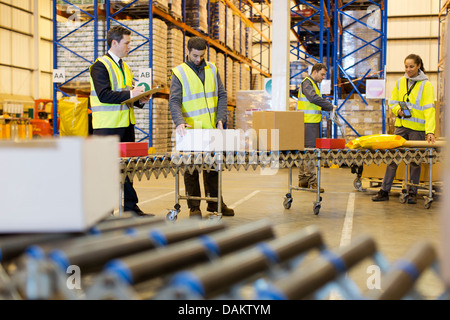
197	113
312	113
109	108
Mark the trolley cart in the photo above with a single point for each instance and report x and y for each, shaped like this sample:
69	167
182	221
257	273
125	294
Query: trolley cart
316	204
428	199
216	158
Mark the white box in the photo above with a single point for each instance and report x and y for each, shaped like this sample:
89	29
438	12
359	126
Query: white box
210	140
64	184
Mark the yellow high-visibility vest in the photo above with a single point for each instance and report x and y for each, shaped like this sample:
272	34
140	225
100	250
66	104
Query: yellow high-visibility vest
199	103
312	112
421	104
106	115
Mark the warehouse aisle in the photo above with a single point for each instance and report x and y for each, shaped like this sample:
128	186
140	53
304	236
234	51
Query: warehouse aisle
345	213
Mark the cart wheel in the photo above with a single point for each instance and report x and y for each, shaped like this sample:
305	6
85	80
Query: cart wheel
172	215
403	197
287	203
316	208
357	184
427	203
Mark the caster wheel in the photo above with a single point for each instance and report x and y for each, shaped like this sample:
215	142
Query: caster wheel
287	203
316	209
357	184
427	203
403	198
172	215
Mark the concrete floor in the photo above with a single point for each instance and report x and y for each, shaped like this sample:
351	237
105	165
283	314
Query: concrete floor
345	213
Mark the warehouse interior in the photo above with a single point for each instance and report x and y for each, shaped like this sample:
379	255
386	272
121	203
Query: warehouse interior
64	233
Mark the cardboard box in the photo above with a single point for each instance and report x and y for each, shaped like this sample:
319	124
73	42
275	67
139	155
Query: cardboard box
210	140
58	185
326	143
279	130
133	149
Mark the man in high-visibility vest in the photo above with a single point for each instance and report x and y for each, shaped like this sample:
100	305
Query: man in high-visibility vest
111	84
198	100
312	104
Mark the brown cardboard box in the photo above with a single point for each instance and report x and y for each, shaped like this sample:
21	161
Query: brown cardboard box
289	126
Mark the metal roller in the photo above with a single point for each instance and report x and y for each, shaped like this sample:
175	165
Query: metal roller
325	268
124	223
40	251
145	265
400	280
209	280
93	256
12	246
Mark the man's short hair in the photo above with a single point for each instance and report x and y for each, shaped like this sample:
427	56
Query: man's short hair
196	43
318	66
116	33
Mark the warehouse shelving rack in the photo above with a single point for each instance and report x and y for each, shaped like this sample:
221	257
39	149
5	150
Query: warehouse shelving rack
112	9
341	71
89	18
311	26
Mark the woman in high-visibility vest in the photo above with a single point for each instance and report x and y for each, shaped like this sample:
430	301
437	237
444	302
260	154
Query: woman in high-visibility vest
412	102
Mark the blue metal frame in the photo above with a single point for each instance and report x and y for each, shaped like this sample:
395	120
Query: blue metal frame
149	40
322	37
56	43
340	72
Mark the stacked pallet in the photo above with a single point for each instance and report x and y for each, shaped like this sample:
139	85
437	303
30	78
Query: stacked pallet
217	15
175	9
212	55
81	43
220	64
174	50
139	58
245	77
162	126
231	94
197	15
236	78
229	28
362	118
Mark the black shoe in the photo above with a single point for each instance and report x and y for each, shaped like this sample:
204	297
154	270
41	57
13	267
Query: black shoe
195	212
141	213
303	184
313	186
412	198
381	196
212	207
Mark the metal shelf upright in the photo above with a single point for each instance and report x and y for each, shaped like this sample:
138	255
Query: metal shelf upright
57	43
311	25
143	9
345	63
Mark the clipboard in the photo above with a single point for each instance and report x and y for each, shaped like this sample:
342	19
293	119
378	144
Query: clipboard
145	94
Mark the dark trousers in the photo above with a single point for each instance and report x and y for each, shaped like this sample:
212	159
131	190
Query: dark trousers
391	169
192	185
125	135
307	172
